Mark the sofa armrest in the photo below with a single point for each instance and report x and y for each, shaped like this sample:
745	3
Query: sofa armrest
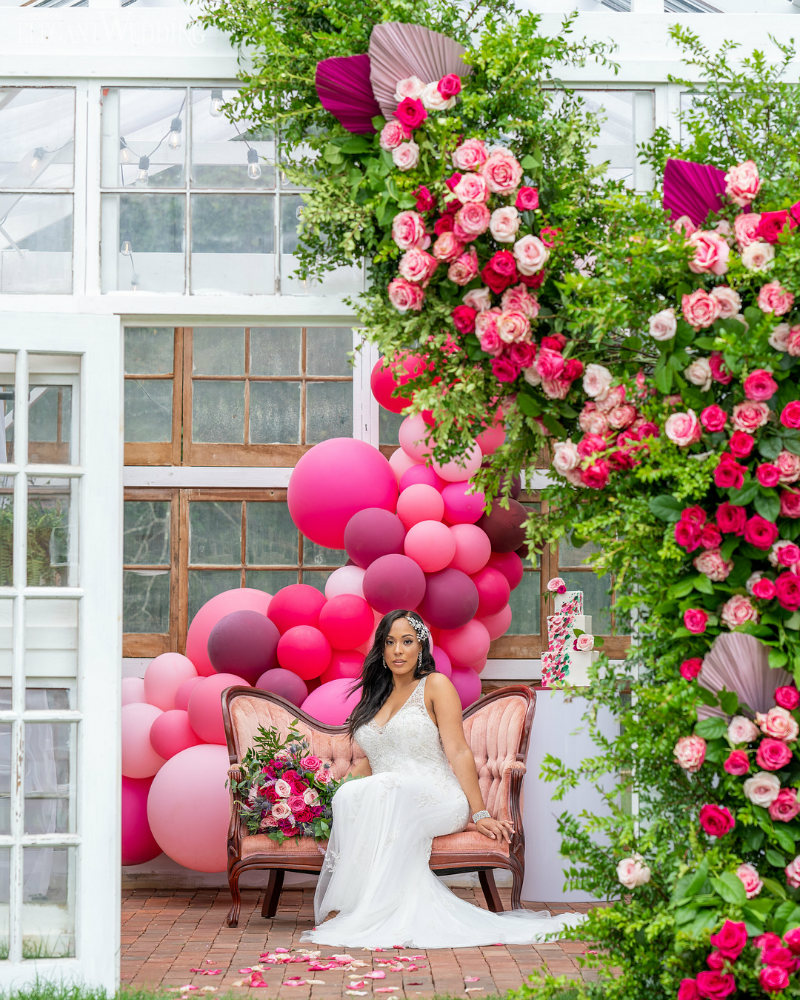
235	825
508	803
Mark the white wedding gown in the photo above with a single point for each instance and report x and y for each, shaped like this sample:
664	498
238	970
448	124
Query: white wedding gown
376	873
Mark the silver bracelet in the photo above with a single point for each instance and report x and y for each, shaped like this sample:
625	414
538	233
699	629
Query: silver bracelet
481	814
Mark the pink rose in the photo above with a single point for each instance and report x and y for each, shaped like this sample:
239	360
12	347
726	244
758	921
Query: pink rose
750	416
514	326
470	155
410	86
632	872
712	565
784	553
760	532
762	588
736	763
684	225
710	253
713	418
750	880
549	364
311	763
434	100
695	620
716	820
729	475
772	754
790	503
785	807
463	319
787	590
762	789
408	230
425	200
565	456
297	803
700	309
531	254
730	939
790	415
596	381
527	199
787	697
502	171
768	475
773	298
742	183
737	610
699	373
788	466
449	85
471	220
417	265
464	268
758	256
519	299
405	295
522	354
719	371
741	444
772	979
663	325
745	228
392	134
411	112
504	370
471	187
488	337
283	788
323	777
730	302
687	535
584	643
596	475
621	416
690	668
731	519
793	873
760	385
779	338
280	810
778	723
792	940
683	429
690	752
447	247
504	224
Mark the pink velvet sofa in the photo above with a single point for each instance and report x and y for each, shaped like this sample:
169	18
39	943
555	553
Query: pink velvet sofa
497	728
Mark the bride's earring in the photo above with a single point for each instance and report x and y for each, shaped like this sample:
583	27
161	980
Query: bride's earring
419	659
385	664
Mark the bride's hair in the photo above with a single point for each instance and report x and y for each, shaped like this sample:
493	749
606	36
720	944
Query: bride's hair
376	679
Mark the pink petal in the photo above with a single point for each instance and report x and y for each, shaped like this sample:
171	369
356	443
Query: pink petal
387	989
375	975
245	969
472	979
281	951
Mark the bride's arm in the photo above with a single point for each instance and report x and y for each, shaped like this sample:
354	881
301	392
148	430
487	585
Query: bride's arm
446	707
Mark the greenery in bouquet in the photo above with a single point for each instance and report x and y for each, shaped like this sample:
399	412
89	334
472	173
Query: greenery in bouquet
285	790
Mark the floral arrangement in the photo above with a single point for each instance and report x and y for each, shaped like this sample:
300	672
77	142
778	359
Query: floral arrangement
285	790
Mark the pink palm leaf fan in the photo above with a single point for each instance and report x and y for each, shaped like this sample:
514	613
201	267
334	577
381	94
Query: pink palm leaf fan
692	189
738	662
344	89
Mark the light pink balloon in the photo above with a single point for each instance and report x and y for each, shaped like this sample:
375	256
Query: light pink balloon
345	580
331	703
463	467
401	462
239	599
468	685
164	675
138	843
205	706
473	548
139	759
467	645
188	808
133	690
184	692
442	661
171	733
491	439
413	437
419	502
497	624
461	506
430	544
284	683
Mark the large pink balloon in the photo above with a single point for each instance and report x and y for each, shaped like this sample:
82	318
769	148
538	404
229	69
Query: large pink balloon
442	661
493	590
505	528
205	706
184	692
138	843
413	437
245	643
305	650
491	439
133	690
297	604
345	580
331	703
473	548
344	663
467	645
387	376
332	481
468	685
284	683
463	467
451	599
371	533
139	759
189	809
394	581
497	624
420	474
461	506
430	544
171	733
346	621
164	675
241	599
419	502
510	565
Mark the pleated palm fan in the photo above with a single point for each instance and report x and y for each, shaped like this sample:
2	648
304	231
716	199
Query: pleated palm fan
344	89
738	662
692	189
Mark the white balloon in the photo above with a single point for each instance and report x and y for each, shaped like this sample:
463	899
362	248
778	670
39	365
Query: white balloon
345	580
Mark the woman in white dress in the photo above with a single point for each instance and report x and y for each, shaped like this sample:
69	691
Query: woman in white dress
418	781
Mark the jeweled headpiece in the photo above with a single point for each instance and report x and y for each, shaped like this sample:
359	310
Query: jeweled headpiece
420	628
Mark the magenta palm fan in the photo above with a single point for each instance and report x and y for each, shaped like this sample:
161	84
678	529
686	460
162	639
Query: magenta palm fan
397	51
692	189
344	89
738	663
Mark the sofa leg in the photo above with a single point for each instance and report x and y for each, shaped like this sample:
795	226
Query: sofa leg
493	901
272	892
518	876
236	899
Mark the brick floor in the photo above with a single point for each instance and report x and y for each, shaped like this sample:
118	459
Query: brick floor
166	934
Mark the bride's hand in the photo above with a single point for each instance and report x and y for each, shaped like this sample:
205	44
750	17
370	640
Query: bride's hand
495	829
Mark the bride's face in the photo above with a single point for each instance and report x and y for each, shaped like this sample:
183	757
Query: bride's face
401	648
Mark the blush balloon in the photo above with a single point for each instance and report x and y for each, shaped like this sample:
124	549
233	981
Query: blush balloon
413	438
171	733
205	706
240	599
297	604
461	506
184	691
493	590
192	784
394	581
451	599
372	533
139	759
400	462
430	544
468	685
244	642
344	663
442	661
490	439
305	651
164	675
346	621
138	843
473	548
497	624
467	645
463	467
345	580
332	703
420	474
419	502
510	565
284	683
133	690
333	481
505	528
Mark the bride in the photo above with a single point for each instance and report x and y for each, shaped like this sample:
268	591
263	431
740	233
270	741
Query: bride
418	781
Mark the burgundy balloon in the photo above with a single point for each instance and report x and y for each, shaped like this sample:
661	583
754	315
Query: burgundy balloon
509	564
451	599
505	528
394	581
243	643
372	533
285	683
493	590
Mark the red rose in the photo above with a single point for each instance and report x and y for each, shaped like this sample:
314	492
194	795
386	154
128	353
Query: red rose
690	668
464	319
788	697
787	590
715	985
710	538
768	475
443	225
503	262
452	184
425	200
695	620
764	589
533	280
737	762
504	370
776	954
497	282
730	939
717	820
772	224
716	960
719	371
573	368
760	532
792	939
741	444
790	503
596	476
411	113
731	519
713	418
687	535
695	515
449	85
772	978
772	755
729	475
554	343
688	990
790	415
527	199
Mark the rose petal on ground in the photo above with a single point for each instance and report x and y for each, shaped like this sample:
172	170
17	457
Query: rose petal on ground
380	974
355	993
473	989
387	989
281	951
472	979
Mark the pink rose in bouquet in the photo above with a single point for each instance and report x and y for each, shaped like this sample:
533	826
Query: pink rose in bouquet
502	171
632	872
425	200
713	418
729	475
523	354
392	134
683	429
760	385
758	256
700	309
504	370
527	199
742	183
785	807
281	810
730	939
434	100
730	302
589	444
531	254
695	620
447	247
788	466
772	755
793	342
597	381
504	224
549	364
450	85
741	444
408	229
793	873
784	553
690	752
716	820
471	220
749	416
479	299
663	325
772	225
787	590
283	788
773	978
768	475
736	763
515	326
464	268
565	457
719	371
778	723
762	788
710	253
787	697
731	519
471	187
790	414
595	476
742	730
773	298
791	939
750	880
712	565
763	588
410	86
745	228
417	265
323	777
790	503
760	532
406	155
519	299
463	319
621	416
470	155
779	338
411	112
699	373
405	295
690	668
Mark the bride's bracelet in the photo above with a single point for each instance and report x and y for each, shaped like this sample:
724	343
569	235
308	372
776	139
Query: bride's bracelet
481	814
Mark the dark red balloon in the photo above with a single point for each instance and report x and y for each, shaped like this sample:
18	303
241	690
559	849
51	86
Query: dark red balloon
244	643
394	581
372	533
505	528
451	599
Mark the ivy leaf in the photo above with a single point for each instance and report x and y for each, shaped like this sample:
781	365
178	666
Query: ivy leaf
665	507
730	887
767	505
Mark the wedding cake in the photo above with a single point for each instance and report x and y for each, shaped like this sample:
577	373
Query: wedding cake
564	661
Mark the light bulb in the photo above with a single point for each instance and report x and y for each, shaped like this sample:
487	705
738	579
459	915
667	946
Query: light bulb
126	154
38	155
125	247
144	166
217	100
253	166
134	281
175	138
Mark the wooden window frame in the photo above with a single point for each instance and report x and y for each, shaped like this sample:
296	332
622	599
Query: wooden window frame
162	452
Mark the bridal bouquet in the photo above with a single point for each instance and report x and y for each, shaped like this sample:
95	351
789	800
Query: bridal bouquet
285	790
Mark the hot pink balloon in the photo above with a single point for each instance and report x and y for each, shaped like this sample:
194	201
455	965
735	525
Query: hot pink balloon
205	706
240	599
497	624
245	643
345	580
467	645
493	590
473	548
192	784
400	462
332	481
419	502
394	581
344	663
491	439
346	621
138	843
461	506
139	759
442	661
133	690
430	544
183	693
468	685
510	565
400	372
297	604
171	733
164	675
372	533
284	683
413	437
304	650
463	467
451	599
420	474
332	703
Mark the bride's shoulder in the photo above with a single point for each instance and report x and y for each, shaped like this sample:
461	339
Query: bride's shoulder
436	683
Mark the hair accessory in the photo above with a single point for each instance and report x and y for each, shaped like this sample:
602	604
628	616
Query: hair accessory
420	628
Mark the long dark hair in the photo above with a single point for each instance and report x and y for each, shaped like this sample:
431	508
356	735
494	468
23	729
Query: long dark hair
376	680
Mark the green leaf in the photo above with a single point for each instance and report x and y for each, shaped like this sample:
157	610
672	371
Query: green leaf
767	504
739	498
787	915
703	584
729	886
784	837
527	404
777	658
770	447
792	444
772	884
663	377
665	507
711	729
681	588
691	884
728	701
704	921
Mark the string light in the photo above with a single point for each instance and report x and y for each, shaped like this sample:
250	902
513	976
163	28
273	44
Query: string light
38	155
125	247
175	138
253	166
126	154
143	176
217	100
